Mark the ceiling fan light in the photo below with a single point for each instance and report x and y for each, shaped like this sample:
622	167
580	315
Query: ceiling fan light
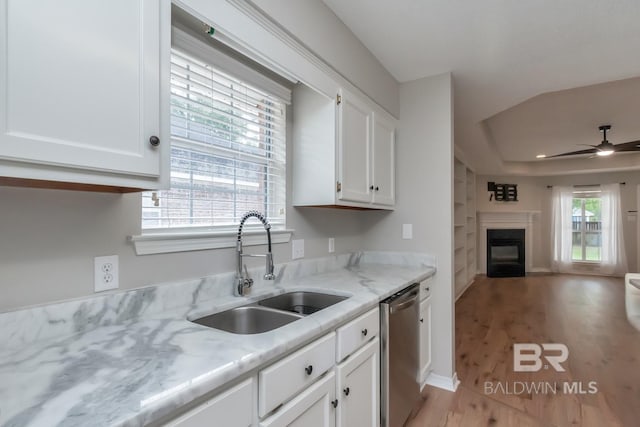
541	156
605	153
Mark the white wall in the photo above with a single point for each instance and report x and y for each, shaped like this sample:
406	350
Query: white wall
320	30
424	188
533	194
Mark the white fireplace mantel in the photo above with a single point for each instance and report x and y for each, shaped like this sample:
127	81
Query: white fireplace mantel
506	219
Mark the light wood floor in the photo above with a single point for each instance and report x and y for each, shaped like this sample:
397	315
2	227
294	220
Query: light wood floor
584	312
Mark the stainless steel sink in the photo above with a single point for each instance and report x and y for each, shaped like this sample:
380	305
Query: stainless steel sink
301	302
248	320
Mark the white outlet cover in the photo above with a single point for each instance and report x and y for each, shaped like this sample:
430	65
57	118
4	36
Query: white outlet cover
297	249
332	245
407	231
105	270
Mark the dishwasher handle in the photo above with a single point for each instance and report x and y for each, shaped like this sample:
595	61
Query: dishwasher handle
404	302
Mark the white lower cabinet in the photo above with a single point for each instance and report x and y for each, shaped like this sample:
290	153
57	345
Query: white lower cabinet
231	408
425	338
286	378
314	407
323	384
358	388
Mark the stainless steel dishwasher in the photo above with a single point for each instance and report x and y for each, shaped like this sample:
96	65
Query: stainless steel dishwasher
399	361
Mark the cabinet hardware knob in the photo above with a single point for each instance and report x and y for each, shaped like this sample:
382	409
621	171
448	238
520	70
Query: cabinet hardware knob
334	403
377	188
421	320
154	140
427	288
308	369
365	332
371	187
346	391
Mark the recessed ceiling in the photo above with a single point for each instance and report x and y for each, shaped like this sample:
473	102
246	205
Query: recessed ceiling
563	121
502	54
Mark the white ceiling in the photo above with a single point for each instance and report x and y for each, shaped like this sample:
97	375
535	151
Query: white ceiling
502	53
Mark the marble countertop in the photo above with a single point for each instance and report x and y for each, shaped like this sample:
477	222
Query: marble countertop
129	370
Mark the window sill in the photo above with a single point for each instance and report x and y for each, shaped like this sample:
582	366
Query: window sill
585	262
168	242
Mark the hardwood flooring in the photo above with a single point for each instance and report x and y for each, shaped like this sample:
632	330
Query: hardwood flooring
586	313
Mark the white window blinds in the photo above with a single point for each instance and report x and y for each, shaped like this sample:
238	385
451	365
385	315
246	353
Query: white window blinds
227	151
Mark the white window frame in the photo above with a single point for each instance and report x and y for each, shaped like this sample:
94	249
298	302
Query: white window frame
586	194
167	240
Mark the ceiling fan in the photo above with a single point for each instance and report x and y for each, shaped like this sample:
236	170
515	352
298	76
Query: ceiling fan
605	148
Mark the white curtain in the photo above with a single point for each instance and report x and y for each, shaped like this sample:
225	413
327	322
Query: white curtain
561	216
614	259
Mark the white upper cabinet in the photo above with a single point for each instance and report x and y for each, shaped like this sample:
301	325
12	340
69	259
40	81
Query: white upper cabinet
81	91
343	151
354	144
383	184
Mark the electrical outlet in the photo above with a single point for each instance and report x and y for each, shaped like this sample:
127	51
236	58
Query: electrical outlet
407	231
105	270
332	245
297	249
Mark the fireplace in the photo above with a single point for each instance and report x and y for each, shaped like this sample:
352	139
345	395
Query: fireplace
505	252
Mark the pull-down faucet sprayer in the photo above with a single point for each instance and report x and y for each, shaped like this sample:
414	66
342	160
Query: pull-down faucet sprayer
243	281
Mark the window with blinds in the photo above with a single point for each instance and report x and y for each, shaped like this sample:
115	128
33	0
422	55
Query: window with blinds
227	151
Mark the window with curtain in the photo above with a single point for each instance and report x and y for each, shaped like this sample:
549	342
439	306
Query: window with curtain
586	220
227	151
587	226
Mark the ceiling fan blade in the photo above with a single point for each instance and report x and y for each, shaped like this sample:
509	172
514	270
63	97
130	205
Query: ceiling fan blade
576	153
627	146
589	145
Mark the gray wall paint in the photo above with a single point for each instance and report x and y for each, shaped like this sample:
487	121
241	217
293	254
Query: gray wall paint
318	28
424	187
533	194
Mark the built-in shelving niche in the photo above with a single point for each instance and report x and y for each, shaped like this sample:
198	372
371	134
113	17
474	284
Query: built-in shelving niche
465	229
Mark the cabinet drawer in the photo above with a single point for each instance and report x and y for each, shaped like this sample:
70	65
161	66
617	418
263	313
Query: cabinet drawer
425	289
231	408
282	380
354	334
311	408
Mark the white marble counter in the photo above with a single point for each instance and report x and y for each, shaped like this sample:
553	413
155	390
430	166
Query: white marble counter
130	358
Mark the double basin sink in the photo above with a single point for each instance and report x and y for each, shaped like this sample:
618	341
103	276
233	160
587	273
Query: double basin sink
270	313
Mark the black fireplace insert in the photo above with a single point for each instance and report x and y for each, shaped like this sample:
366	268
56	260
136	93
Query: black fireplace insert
505	252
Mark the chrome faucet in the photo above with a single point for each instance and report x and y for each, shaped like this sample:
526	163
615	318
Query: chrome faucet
243	281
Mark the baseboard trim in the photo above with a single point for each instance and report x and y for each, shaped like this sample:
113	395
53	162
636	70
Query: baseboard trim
540	270
465	288
443	382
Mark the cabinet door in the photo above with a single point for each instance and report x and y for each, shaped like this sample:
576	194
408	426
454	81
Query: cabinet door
359	389
354	142
311	408
425	338
383	173
231	408
80	84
